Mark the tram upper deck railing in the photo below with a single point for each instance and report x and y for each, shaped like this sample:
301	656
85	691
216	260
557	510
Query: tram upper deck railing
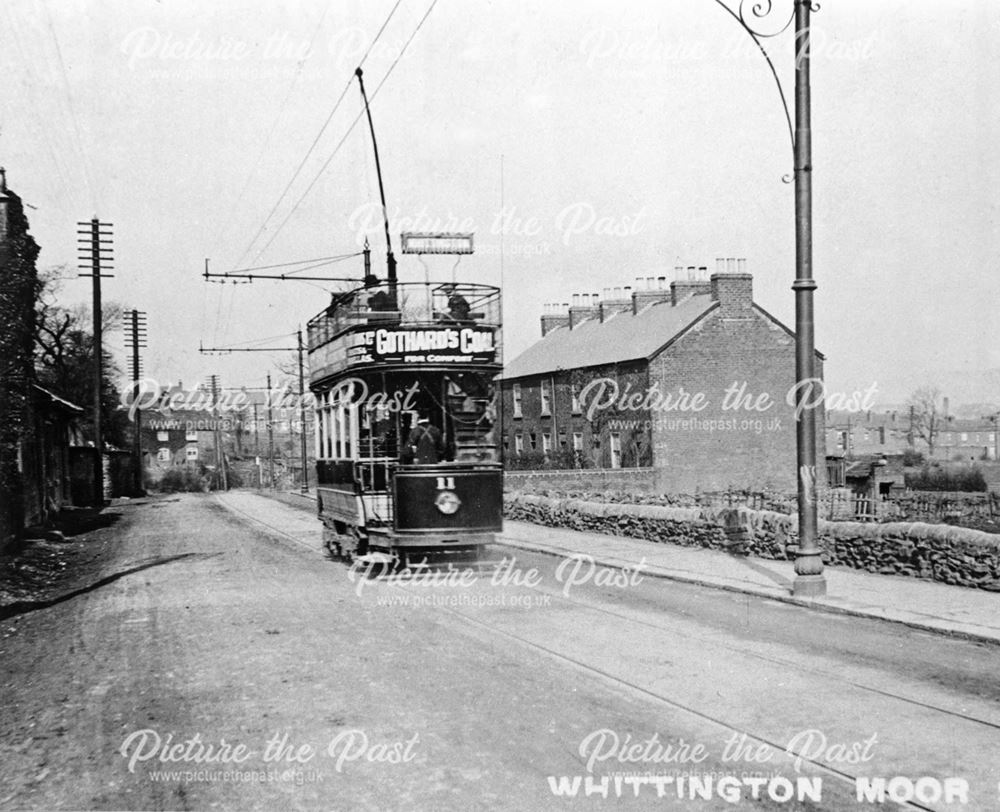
406	322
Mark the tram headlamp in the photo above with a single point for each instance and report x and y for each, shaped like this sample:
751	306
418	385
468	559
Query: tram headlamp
447	502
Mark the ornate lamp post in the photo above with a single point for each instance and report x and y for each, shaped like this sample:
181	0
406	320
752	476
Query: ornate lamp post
809	578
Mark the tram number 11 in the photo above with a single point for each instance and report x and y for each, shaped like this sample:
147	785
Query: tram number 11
446	483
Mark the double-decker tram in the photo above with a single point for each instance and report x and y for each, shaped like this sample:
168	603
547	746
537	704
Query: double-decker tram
406	413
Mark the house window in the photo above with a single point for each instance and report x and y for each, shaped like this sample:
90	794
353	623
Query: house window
192	452
562	439
546	443
577	441
519	444
533	439
965	437
616	450
191	436
546	398
516	392
162	436
163	455
574	394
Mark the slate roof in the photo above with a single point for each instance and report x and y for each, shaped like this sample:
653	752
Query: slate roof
623	337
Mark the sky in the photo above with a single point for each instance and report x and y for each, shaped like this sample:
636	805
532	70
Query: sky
585	143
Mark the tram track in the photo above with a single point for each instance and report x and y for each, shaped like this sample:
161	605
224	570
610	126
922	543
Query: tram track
620	683
749	652
742	650
689	707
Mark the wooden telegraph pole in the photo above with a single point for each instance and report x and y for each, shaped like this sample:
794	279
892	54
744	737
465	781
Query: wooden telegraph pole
135	339
95	250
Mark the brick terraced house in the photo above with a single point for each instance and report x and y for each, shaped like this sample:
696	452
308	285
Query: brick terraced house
684	387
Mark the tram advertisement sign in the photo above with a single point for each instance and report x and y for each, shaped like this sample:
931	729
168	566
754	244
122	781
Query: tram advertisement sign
461	345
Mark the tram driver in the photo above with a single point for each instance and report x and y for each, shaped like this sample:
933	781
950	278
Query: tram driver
425	445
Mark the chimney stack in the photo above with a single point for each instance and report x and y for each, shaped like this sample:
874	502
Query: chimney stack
554	315
733	290
691	285
585	307
616	300
653	292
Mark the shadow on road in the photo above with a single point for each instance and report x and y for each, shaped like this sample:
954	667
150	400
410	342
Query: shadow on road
760	569
24	607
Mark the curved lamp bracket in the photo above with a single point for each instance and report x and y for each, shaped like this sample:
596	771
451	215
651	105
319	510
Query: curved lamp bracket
755	16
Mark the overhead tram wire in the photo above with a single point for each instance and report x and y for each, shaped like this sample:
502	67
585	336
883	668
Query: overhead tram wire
318	260
224	229
354	123
312	146
43	131
85	164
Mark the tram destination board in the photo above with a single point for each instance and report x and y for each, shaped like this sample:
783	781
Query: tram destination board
446	344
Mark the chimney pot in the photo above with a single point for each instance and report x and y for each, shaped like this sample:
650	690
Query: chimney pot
731	264
662	282
720	265
741	265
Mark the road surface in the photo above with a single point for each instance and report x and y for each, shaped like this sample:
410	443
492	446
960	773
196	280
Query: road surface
204	662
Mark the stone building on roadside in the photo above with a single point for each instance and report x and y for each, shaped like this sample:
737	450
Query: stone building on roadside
673	388
18	288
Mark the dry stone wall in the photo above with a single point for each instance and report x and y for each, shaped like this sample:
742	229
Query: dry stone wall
950	555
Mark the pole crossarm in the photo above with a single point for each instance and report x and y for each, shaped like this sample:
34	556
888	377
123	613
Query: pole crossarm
227	350
281	277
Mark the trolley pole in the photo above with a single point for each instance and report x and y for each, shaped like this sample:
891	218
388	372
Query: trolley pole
270	437
97	259
302	416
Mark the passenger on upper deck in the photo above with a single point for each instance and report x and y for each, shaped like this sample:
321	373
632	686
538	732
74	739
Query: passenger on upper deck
338	300
381	300
458	306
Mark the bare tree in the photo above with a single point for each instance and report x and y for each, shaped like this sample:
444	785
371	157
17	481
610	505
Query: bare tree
926	415
64	353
